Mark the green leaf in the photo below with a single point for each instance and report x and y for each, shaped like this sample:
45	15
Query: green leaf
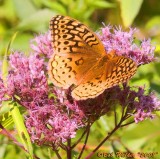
5	115
24	8
5	62
153	27
68	2
153	22
38	3
102	4
55	6
22	42
157	47
139	135
38	21
88	13
129	10
141	83
21	129
4	108
7	120
7	11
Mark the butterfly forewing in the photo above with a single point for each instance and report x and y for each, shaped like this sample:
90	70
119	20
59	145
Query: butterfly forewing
70	69
76	50
71	36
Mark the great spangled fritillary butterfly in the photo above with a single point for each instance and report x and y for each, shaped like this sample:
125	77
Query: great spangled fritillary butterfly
80	59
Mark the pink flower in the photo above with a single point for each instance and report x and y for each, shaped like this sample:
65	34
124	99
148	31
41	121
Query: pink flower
42	45
2	91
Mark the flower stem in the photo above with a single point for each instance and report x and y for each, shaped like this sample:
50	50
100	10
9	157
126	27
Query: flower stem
115	117
56	151
128	123
69	149
85	131
105	139
11	137
85	142
57	154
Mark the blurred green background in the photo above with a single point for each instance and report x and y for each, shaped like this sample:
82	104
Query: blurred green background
31	17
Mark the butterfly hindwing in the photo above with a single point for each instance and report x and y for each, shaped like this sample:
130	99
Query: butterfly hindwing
121	69
118	70
89	89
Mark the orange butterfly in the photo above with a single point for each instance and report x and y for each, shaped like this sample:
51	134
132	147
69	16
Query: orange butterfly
80	59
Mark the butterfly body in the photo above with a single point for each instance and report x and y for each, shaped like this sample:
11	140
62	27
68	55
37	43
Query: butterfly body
80	59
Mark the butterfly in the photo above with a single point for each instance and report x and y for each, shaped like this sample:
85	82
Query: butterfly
80	60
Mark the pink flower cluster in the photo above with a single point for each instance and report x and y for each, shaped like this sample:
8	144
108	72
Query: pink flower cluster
27	79
143	105
48	125
53	116
123	43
